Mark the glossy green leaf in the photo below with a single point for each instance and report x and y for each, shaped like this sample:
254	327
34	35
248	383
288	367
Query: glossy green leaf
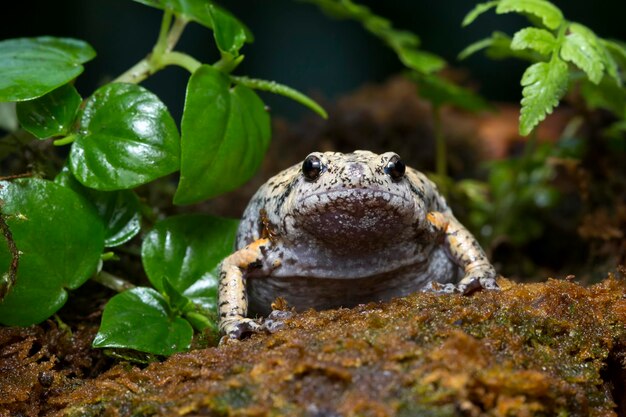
198	11
544	83
582	49
51	114
229	33
537	39
60	237
126	137
550	15
186	250
32	67
225	133
141	319
477	11
119	210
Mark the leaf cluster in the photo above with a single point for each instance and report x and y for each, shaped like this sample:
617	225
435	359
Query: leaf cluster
561	52
122	137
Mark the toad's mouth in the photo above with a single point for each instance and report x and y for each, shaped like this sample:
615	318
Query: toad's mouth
356	218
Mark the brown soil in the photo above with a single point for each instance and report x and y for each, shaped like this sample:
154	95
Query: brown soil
553	348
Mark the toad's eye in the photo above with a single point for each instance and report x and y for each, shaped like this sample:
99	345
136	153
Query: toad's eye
312	168
395	168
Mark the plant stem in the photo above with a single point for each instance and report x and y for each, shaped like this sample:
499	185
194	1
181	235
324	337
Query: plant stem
64	141
276	88
181	59
440	144
228	63
162	42
113	282
162	54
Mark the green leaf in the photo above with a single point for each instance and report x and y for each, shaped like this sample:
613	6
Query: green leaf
120	211
420	61
498	46
544	83
550	15
283	90
440	91
32	67
60	237
539	40
196	11
126	137
477	11
186	251
51	114
581	48
225	133
229	33
141	319
617	50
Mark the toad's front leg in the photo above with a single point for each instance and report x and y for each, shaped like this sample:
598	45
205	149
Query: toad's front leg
232	296
466	252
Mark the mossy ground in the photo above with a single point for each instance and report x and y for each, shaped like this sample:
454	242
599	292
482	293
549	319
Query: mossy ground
544	349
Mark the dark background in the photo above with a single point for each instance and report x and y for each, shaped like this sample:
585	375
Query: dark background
296	44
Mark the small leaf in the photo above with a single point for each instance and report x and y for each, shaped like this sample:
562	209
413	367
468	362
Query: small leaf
617	50
544	83
440	91
194	10
32	67
229	33
550	15
141	319
539	40
477	11
186	250
421	61
126	138
225	133
581	48
498	46
120	211
51	114
60	237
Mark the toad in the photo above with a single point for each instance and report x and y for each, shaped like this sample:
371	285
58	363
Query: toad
340	229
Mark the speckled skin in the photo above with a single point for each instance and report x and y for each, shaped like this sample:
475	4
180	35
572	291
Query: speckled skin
351	236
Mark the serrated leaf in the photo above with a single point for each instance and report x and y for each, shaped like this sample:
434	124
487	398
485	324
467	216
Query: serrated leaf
187	249
50	115
498	46
32	67
537	39
580	47
60	237
126	137
550	15
225	133
477	11
141	319
606	95
544	83
617	50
